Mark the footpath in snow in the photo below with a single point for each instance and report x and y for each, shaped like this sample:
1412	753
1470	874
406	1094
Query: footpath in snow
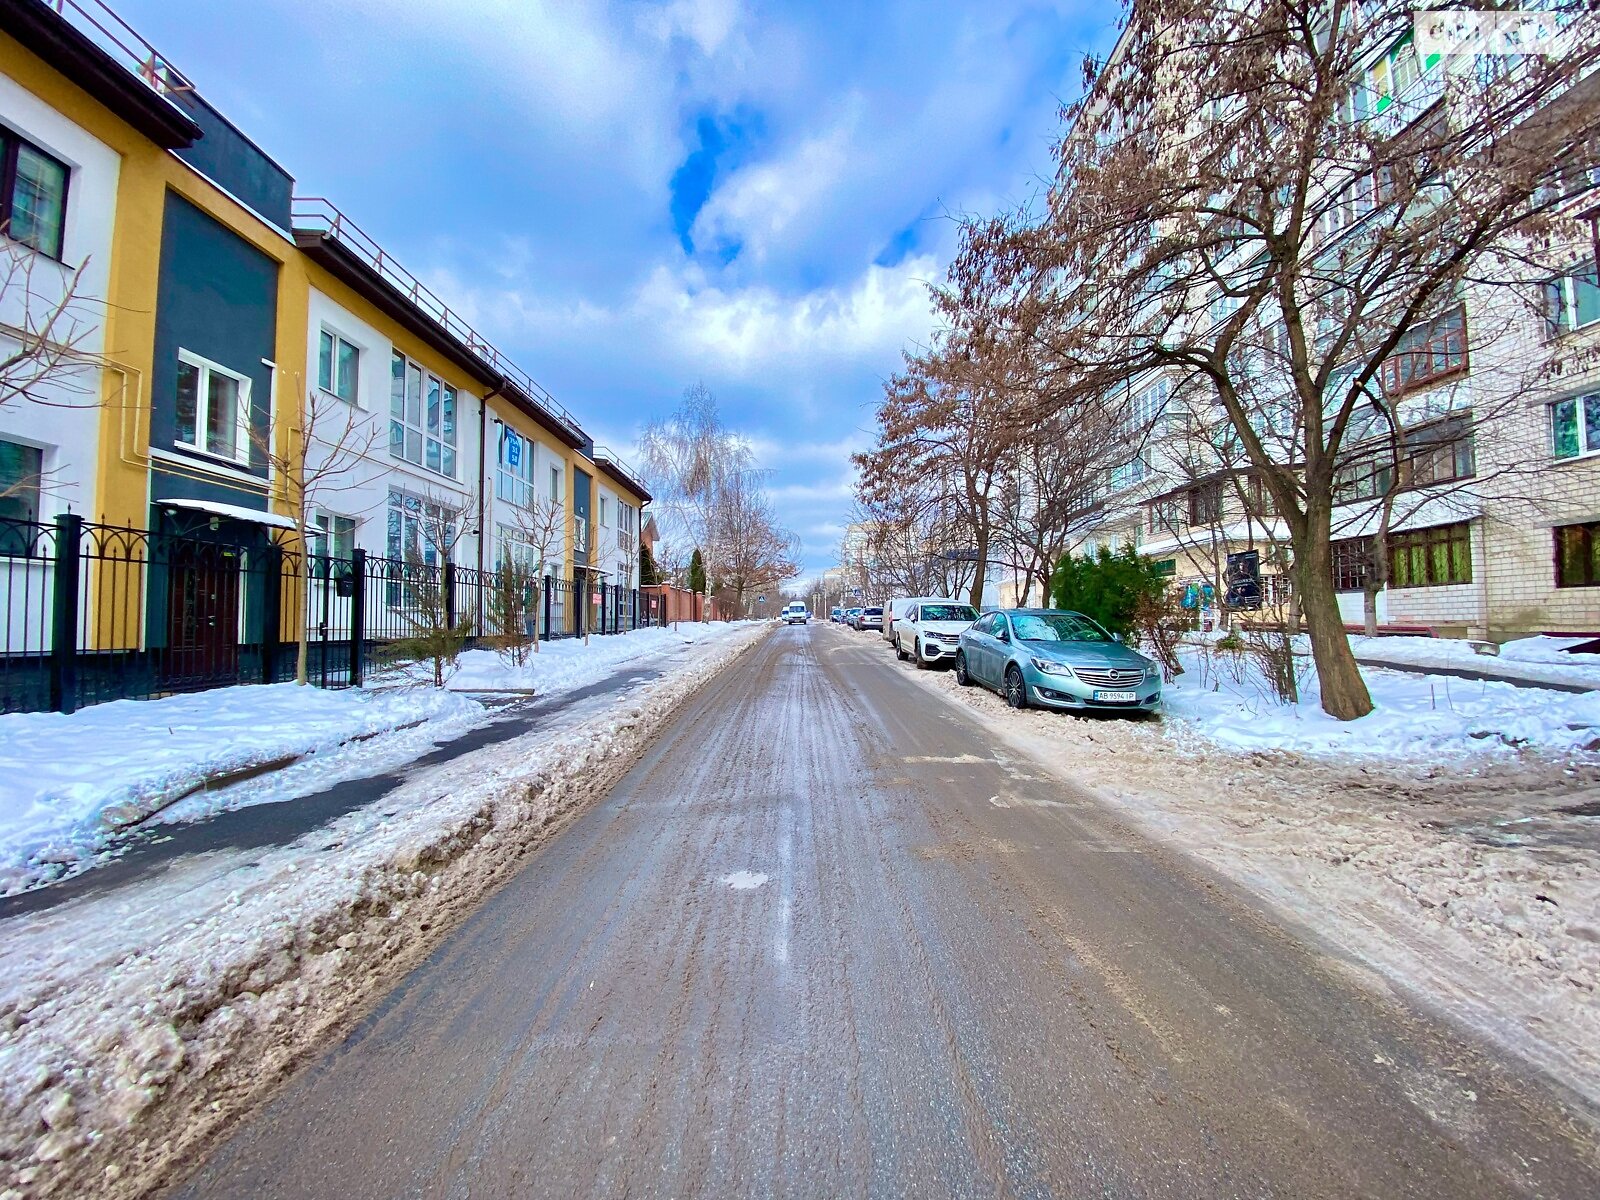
134	1023
1449	839
70	786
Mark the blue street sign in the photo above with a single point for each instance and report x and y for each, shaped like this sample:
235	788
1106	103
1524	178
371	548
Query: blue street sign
513	449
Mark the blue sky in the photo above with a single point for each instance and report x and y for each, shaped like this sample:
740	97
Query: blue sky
632	197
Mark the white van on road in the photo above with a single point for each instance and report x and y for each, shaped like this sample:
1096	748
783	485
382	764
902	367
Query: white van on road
795	614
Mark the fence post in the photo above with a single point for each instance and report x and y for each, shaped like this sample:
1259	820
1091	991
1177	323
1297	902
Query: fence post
449	579
64	615
271	611
549	584
358	611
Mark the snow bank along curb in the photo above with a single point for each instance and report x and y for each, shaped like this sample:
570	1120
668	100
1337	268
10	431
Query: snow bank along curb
1461	882
69	784
109	1081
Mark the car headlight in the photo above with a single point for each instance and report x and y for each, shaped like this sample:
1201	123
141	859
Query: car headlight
1050	666
1153	671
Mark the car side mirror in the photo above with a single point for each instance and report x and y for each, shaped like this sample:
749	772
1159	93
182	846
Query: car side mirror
1003	636
1116	637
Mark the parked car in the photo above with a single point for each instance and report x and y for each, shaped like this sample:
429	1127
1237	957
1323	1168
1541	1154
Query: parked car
870	617
930	631
850	615
836	614
1057	659
902	606
796	614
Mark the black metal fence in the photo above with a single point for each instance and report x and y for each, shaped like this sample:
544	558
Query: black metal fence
96	612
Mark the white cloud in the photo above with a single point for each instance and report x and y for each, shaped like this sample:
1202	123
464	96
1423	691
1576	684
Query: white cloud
757	207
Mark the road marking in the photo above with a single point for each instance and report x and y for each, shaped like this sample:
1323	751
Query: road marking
946	758
998	803
744	881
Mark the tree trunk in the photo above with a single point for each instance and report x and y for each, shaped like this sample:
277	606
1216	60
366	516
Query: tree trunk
1369	610
975	597
1344	692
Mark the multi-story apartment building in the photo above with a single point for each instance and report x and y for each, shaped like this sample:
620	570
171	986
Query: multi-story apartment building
224	342
1490	501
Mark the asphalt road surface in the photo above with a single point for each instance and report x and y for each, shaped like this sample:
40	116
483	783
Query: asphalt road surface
826	940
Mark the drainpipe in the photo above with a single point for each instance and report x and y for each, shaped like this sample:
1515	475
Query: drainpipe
483	439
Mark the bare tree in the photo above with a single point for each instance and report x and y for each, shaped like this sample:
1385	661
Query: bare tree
321	451
1284	202
691	458
755	552
538	524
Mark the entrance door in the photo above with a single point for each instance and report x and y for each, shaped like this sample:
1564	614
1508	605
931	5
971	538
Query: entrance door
202	617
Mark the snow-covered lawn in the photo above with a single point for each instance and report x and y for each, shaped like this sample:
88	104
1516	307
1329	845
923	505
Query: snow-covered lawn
1223	699
1462	869
573	663
1532	659
134	1023
68	783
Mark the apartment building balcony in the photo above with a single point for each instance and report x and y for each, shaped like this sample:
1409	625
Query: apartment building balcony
337	243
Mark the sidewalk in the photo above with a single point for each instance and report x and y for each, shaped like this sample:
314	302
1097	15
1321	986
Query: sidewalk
1517	679
147	1002
1530	663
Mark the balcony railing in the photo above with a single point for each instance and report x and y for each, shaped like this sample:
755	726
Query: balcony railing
616	463
121	41
319	215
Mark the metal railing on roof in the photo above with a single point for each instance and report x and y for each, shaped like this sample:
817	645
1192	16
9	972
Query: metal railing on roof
121	41
616	463
319	215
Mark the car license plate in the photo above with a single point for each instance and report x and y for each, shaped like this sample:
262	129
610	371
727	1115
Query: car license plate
1115	697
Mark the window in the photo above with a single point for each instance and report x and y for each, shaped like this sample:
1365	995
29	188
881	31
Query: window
1439	452
1352	563
337	364
1572	301
333	539
555	485
1431	351
213	409
1205	503
418	530
1578	555
421	433
514	475
516	552
1575	426
1366	478
33	195
1164	515
605	512
1430	557
21	471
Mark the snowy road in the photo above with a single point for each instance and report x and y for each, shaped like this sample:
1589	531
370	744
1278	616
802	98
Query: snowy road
827	939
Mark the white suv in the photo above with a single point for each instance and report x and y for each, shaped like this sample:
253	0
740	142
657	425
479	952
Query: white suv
930	631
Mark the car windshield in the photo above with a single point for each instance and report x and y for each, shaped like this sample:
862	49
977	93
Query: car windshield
948	612
1057	627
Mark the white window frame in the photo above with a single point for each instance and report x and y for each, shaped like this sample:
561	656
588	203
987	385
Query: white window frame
202	410
447	440
354	399
514	485
557	486
1585	450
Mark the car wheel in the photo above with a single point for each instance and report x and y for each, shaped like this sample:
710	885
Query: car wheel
899	650
1016	689
922	663
962	677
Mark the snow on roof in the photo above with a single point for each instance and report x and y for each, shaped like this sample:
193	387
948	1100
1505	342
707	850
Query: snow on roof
234	512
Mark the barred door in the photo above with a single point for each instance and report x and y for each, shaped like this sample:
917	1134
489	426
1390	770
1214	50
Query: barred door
202	617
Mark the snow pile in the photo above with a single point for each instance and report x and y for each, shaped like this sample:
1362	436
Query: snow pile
570	662
135	1024
1224	698
67	783
1531	659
